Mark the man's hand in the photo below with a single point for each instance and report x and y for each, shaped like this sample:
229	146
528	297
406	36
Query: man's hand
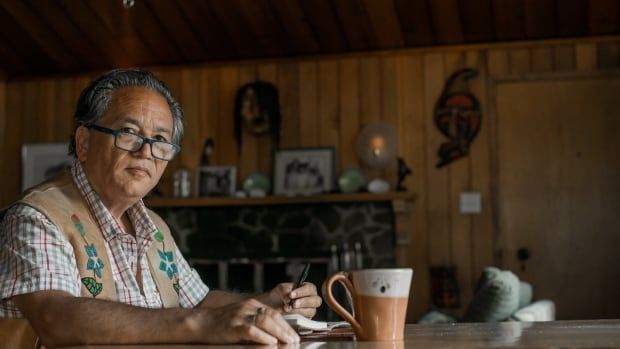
251	321
303	300
63	320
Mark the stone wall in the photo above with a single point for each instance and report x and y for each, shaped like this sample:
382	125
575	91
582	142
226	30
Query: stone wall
306	230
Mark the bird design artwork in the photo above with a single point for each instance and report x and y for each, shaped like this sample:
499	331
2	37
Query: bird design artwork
458	117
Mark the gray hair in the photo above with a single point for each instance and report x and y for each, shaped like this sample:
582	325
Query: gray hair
95	99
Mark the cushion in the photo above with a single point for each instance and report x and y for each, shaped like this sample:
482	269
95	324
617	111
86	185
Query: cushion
436	317
542	310
525	294
496	297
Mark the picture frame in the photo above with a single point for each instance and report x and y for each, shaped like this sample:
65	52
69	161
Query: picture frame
216	180
303	171
41	161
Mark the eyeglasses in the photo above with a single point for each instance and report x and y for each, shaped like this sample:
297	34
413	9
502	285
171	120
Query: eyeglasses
132	142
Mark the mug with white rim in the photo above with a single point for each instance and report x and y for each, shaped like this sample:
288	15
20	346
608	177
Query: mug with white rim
380	298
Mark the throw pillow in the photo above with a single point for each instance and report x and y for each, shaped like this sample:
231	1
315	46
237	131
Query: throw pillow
525	294
496	297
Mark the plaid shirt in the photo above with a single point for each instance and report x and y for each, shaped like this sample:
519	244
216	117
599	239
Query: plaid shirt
36	256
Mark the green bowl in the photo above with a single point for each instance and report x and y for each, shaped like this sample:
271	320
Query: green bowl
351	180
256	180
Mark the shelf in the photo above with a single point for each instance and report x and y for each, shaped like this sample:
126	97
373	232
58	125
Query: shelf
279	200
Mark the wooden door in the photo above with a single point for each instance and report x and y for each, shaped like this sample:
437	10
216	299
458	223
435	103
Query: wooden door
558	189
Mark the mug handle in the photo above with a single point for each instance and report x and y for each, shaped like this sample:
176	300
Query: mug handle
333	303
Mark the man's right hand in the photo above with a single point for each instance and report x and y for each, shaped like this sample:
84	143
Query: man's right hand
63	320
248	320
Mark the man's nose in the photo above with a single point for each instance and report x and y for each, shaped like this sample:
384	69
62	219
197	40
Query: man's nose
145	151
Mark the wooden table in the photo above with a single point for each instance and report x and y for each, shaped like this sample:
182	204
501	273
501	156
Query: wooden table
557	334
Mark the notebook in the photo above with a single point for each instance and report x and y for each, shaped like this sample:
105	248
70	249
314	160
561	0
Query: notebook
302	323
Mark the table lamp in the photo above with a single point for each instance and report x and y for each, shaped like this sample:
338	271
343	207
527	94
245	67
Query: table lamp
376	148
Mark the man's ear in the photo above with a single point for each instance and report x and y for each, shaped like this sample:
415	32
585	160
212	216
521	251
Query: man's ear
82	137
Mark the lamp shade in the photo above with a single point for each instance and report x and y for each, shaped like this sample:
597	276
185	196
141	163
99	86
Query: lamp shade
377	145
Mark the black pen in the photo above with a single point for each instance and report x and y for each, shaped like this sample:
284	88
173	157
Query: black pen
302	278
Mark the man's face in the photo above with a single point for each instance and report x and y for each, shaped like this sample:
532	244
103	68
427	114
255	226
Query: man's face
116	174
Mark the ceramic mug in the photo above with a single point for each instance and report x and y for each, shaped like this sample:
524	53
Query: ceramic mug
380	299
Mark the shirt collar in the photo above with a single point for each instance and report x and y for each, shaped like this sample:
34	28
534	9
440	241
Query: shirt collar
110	226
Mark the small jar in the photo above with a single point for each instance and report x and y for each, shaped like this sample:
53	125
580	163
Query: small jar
182	184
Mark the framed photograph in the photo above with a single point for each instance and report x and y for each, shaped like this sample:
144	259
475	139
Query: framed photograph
41	161
216	180
303	171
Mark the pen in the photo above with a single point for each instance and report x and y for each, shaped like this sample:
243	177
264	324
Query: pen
302	278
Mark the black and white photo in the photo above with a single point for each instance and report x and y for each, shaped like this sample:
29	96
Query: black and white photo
43	160
216	180
303	171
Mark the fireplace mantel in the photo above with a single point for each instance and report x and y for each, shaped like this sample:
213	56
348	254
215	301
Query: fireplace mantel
401	205
279	200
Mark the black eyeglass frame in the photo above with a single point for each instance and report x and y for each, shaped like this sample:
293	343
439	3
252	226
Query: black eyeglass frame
145	140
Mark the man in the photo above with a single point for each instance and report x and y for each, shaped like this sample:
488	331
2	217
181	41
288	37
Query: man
84	261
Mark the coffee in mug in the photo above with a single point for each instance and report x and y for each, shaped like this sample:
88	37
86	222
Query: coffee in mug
380	299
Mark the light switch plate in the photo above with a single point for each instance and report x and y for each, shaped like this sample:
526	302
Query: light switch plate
470	203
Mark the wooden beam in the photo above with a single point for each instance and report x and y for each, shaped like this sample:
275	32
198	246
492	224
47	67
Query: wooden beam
603	17
415	21
385	23
237	26
49	42
478	23
264	23
539	18
116	25
508	19
214	37
145	23
355	24
174	23
61	23
322	18
571	17
24	51
300	35
91	26
447	24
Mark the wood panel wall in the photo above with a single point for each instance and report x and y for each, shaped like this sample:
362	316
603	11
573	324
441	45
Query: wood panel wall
324	102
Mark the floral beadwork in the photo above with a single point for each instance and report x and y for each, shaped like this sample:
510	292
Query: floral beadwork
92	285
78	225
167	264
159	236
93	263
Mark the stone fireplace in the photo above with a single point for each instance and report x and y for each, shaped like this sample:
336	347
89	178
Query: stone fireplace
251	248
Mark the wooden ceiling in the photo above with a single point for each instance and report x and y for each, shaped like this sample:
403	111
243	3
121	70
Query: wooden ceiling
68	36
